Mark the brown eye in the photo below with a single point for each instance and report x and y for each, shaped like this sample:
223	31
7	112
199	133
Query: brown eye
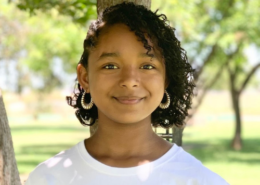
110	66
147	67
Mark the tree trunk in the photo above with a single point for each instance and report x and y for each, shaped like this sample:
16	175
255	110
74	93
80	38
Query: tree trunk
8	169
237	140
103	4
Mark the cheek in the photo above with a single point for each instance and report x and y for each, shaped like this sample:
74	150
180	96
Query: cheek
154	79
96	82
100	87
156	86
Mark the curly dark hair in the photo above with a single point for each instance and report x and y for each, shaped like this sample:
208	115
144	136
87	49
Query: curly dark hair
179	73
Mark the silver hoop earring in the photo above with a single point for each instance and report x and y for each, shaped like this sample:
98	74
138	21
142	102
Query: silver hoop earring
167	103
84	105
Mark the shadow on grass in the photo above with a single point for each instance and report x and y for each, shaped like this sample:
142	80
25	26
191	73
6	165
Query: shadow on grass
221	151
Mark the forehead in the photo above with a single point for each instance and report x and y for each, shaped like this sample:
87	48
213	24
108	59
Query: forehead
120	32
120	37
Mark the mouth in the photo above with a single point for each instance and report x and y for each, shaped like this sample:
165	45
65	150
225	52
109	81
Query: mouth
128	100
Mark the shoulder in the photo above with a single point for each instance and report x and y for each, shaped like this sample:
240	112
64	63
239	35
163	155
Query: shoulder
189	169
58	165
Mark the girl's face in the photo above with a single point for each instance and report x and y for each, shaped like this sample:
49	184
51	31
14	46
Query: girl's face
125	83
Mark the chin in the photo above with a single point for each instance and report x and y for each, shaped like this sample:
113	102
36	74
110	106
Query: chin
127	120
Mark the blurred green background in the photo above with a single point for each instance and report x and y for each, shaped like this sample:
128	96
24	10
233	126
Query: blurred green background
41	43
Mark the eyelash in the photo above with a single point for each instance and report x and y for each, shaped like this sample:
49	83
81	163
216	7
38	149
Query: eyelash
106	67
152	67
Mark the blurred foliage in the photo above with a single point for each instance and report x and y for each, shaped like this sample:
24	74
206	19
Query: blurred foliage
219	29
10	30
52	38
79	10
222	82
36	42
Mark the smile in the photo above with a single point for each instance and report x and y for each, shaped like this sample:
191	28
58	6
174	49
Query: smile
128	100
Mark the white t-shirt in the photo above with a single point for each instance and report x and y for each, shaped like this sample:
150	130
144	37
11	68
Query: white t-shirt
76	167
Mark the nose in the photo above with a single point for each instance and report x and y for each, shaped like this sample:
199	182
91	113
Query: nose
129	77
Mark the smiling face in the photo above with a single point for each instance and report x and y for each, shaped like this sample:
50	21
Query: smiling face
125	83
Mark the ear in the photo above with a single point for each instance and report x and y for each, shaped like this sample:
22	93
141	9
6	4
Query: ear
82	75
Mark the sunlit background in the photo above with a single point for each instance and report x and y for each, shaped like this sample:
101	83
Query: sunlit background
40	46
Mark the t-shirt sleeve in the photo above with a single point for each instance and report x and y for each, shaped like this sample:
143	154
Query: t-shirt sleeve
209	177
200	174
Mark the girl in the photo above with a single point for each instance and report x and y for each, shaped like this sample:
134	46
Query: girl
133	73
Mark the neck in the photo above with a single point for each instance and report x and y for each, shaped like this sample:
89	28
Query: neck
125	145
122	139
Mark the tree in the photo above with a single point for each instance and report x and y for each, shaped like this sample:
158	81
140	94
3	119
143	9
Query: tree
8	169
236	89
216	33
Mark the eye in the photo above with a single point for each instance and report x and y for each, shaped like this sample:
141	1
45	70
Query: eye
110	66
147	67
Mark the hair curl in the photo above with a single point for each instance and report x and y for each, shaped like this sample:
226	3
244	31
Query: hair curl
179	73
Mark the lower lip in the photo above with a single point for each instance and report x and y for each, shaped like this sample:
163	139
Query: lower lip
129	102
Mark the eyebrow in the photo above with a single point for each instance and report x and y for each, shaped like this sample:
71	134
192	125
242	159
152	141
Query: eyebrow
141	55
105	55
151	55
